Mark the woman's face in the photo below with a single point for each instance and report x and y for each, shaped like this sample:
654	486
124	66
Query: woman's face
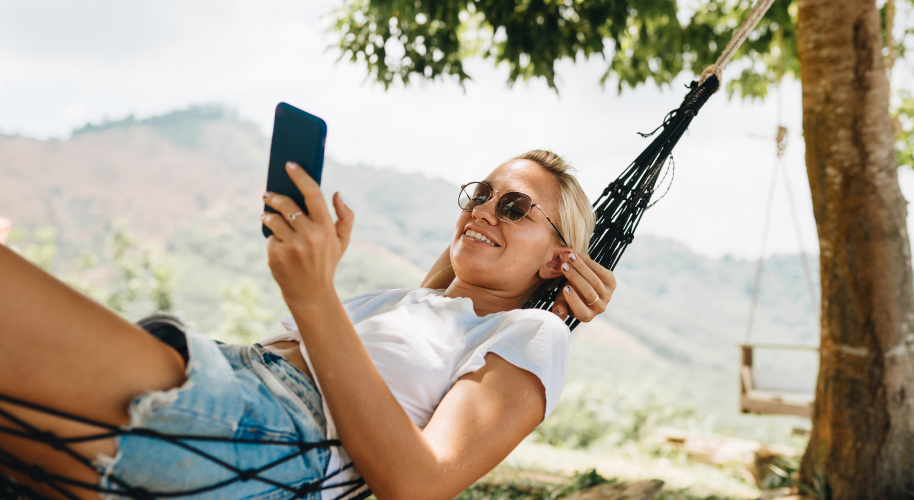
522	253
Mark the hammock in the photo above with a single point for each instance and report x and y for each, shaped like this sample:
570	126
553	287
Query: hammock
618	211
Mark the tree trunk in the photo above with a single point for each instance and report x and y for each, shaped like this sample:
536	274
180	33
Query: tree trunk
862	442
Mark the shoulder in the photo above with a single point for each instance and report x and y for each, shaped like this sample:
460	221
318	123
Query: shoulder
536	341
535	321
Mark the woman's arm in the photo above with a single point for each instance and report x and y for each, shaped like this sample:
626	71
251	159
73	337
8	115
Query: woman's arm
441	274
483	417
480	420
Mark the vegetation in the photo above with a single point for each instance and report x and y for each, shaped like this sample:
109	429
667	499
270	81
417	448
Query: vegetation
592	413
640	40
124	275
903	116
527	489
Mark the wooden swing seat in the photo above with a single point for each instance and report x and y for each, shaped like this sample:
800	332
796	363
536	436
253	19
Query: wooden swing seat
771	402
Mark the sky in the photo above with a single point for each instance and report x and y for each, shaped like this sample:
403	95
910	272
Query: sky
63	64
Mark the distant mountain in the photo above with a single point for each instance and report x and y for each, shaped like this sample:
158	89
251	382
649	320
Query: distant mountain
190	181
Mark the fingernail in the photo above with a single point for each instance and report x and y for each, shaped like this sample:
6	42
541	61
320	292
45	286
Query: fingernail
568	290
341	198
565	267
560	311
291	165
263	216
266	194
572	257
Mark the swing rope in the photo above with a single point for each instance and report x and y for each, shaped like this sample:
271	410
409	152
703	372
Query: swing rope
780	170
618	211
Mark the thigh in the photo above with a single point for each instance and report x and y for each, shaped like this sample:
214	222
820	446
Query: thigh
19	453
61	350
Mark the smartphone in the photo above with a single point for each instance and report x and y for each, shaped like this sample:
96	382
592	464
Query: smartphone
300	137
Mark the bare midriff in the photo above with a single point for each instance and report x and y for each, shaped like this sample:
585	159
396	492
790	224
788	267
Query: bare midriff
289	350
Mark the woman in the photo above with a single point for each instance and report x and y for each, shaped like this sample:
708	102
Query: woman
427	389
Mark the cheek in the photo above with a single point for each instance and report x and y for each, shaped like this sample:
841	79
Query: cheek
462	221
526	243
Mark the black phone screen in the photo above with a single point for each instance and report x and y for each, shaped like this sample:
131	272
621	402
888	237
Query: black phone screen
300	137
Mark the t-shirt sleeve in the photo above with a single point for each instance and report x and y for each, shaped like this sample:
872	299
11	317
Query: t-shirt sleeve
537	342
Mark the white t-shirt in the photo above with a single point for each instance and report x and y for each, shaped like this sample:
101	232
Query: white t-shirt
421	343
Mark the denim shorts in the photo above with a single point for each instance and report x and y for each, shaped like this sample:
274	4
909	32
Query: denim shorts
232	393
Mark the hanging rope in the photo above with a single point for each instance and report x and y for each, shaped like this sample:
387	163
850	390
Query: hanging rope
752	19
780	168
807	272
767	224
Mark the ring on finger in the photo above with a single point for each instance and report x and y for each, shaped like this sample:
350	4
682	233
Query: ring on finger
594	301
291	217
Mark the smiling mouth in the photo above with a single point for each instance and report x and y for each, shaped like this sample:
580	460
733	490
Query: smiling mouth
479	237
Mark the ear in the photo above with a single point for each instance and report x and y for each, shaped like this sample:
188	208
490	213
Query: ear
553	267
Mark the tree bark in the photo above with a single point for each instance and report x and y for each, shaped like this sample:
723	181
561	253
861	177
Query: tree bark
862	441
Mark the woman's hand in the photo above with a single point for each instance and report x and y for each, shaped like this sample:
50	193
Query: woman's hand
589	289
304	250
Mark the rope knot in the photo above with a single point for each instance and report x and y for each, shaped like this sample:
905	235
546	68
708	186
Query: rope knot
247	475
51	439
715	70
38	474
306	490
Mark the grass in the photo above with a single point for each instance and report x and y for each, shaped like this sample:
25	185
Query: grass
505	483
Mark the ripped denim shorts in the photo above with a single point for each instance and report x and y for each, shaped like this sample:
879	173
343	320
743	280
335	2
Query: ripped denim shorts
232	393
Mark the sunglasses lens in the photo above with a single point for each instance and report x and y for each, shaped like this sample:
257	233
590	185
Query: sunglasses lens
473	194
512	207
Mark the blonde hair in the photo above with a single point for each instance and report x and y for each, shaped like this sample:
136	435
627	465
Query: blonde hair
575	217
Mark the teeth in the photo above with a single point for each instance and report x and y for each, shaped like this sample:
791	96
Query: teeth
479	236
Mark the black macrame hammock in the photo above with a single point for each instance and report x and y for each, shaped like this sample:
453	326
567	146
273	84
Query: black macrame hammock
618	211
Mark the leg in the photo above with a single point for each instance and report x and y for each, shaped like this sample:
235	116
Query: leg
60	349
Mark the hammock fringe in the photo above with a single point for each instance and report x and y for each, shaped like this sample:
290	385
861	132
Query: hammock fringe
618	210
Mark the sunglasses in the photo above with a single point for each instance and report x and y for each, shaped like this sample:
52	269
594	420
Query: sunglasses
511	207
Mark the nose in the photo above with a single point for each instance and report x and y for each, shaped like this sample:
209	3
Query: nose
486	211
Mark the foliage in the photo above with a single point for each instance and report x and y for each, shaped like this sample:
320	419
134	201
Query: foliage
903	118
783	473
901	44
39	246
818	490
124	275
530	490
588	413
244	319
641	40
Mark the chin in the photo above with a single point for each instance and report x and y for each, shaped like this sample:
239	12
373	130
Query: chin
473	267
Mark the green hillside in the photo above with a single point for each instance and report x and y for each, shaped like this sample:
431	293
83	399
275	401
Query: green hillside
187	186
